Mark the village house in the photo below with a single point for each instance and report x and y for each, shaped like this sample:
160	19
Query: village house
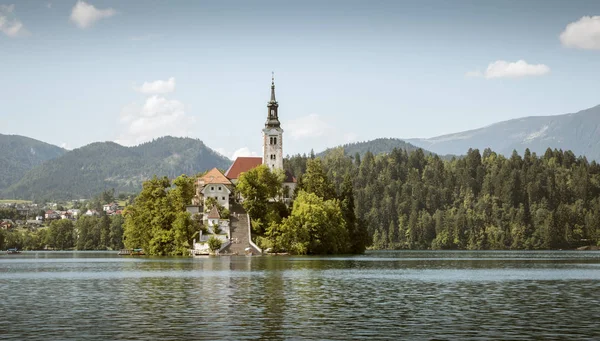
110	207
51	214
91	213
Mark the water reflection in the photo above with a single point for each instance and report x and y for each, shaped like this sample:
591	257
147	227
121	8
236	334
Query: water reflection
381	295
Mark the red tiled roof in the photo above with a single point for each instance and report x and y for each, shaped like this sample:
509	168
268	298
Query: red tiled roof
214	213
214	176
241	165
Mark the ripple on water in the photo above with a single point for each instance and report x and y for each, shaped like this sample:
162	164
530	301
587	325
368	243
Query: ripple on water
389	295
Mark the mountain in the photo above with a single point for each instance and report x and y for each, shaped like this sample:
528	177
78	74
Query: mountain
89	170
19	154
578	132
378	146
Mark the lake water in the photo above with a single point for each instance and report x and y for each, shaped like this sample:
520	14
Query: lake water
379	295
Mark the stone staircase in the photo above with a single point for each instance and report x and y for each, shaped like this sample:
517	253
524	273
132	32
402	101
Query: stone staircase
239	226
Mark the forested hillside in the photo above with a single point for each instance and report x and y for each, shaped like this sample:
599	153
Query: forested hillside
86	171
376	146
18	154
481	201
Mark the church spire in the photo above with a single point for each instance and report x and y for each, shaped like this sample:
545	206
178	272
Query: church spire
273	88
273	115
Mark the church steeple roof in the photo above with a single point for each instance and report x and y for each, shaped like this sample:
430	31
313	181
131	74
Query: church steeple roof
273	115
273	89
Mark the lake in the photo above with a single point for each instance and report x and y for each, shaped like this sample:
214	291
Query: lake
392	295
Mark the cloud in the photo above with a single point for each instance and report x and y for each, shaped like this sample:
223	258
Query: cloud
157	87
504	69
157	117
10	25
582	34
49	5
85	15
65	146
244	151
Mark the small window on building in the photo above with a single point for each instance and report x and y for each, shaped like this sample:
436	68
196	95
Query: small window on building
212	188
274	140
222	198
219	188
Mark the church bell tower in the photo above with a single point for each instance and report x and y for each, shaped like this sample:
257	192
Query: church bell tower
273	134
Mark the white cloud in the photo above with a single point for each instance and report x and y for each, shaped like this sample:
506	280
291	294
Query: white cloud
157	87
504	69
582	34
65	146
244	151
157	117
85	15
10	25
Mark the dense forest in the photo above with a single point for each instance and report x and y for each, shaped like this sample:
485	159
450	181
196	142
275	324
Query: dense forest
479	201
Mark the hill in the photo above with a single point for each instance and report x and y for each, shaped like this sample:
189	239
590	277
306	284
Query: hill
378	146
19	154
86	171
578	132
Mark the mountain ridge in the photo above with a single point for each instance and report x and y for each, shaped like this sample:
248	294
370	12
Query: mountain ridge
88	170
19	154
578	132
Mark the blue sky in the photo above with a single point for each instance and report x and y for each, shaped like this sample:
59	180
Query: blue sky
74	72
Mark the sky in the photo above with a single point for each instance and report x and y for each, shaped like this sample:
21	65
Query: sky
75	72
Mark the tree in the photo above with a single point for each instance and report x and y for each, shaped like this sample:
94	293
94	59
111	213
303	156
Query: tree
315	180
257	186
61	234
157	221
315	226
214	243
357	231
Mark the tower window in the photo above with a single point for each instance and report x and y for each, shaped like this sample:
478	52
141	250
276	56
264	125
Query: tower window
272	112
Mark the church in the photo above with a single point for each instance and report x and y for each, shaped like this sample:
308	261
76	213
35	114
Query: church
215	184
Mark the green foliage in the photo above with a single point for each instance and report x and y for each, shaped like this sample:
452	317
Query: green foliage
99	232
211	202
214	243
480	201
315	180
315	226
83	172
157	221
61	234
257	186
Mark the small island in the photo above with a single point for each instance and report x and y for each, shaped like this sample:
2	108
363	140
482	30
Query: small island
254	207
